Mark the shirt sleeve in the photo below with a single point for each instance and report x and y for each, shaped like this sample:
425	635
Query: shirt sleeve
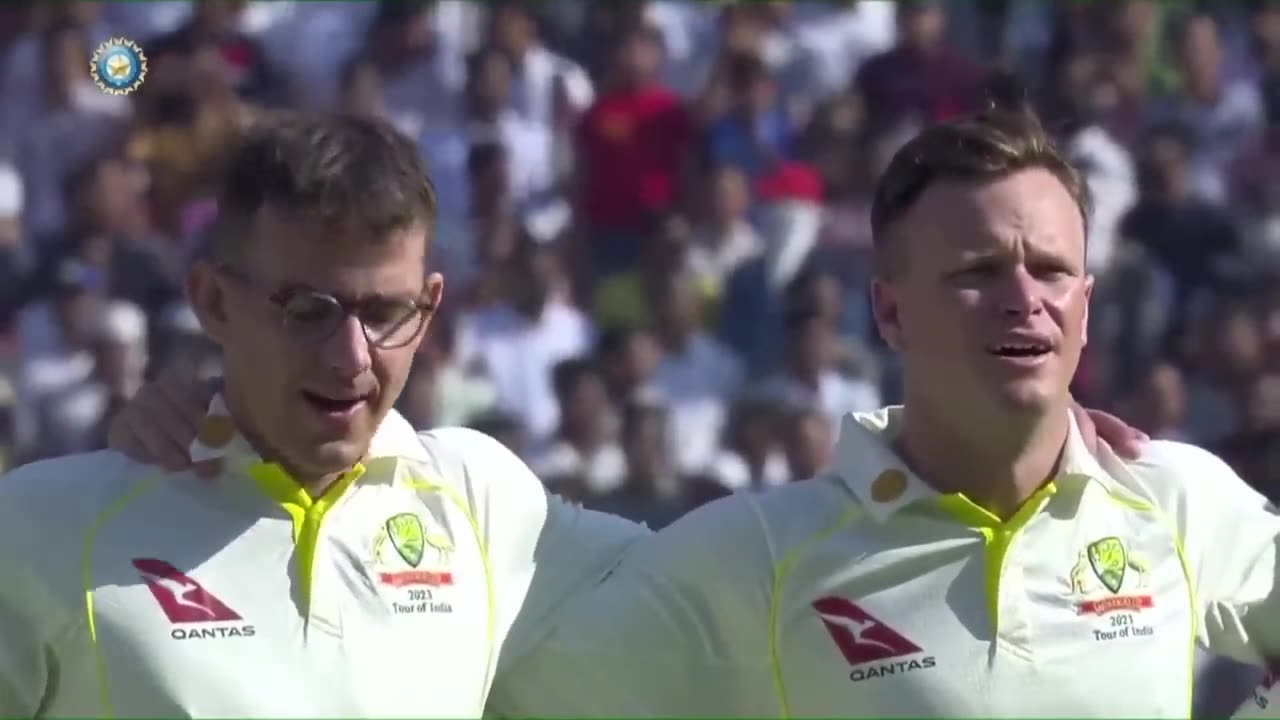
1229	538
26	659
678	629
25	664
542	549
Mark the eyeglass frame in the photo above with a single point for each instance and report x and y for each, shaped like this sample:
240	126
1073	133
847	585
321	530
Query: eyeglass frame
281	297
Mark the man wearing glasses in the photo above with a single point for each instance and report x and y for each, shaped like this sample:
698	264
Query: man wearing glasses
344	565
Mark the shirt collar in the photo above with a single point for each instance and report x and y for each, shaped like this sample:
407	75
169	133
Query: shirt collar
867	464
219	439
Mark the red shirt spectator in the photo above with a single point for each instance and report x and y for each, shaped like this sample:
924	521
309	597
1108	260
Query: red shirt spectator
631	141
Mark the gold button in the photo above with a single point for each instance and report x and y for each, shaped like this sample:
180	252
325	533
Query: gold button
889	486
216	431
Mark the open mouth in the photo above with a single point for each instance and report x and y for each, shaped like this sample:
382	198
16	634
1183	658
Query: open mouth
1020	350
332	405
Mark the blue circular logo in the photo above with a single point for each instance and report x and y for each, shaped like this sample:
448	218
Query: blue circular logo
119	66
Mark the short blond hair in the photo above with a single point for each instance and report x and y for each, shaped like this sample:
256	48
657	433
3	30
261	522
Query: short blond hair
985	147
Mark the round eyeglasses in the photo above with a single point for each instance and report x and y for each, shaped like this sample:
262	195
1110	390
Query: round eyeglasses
312	316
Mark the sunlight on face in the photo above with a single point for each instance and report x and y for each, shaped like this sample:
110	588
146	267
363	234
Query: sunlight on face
317	402
991	304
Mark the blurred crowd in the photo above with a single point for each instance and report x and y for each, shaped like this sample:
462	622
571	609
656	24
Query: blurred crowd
654	215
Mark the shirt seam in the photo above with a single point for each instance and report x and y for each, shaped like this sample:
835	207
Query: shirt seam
780	570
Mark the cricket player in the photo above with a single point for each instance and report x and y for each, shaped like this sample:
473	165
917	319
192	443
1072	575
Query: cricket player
344	565
168	423
966	556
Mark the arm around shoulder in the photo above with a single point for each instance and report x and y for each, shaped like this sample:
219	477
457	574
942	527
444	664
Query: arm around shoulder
30	620
679	628
542	550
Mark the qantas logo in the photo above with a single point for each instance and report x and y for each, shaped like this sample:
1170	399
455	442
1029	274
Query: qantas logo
185	602
865	642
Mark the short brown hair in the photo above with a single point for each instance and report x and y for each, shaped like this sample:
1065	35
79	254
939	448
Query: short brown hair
347	171
985	147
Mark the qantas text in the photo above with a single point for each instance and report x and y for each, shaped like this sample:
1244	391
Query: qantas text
891	668
211	633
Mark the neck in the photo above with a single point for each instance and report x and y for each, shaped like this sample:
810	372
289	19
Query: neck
314	484
997	462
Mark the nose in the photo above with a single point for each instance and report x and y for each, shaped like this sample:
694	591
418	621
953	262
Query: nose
1019	294
347	351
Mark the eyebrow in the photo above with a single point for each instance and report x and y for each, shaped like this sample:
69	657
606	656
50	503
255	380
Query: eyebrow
376	297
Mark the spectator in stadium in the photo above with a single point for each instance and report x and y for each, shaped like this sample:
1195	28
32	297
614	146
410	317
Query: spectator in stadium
1192	240
650	492
754	132
809	439
628	359
1159	406
71	122
752	310
1105	163
58	405
752	456
487	117
540	73
520	339
441	391
809	378
632	144
1228	362
110	229
1254	176
923	76
119	348
217	25
623	300
585	445
696	376
472	248
26	76
421	79
1254	449
723	238
1221	114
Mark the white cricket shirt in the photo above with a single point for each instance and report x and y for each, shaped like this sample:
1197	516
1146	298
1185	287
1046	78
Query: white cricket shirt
127	592
864	593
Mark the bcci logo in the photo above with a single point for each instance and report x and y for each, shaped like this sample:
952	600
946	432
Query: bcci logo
118	66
